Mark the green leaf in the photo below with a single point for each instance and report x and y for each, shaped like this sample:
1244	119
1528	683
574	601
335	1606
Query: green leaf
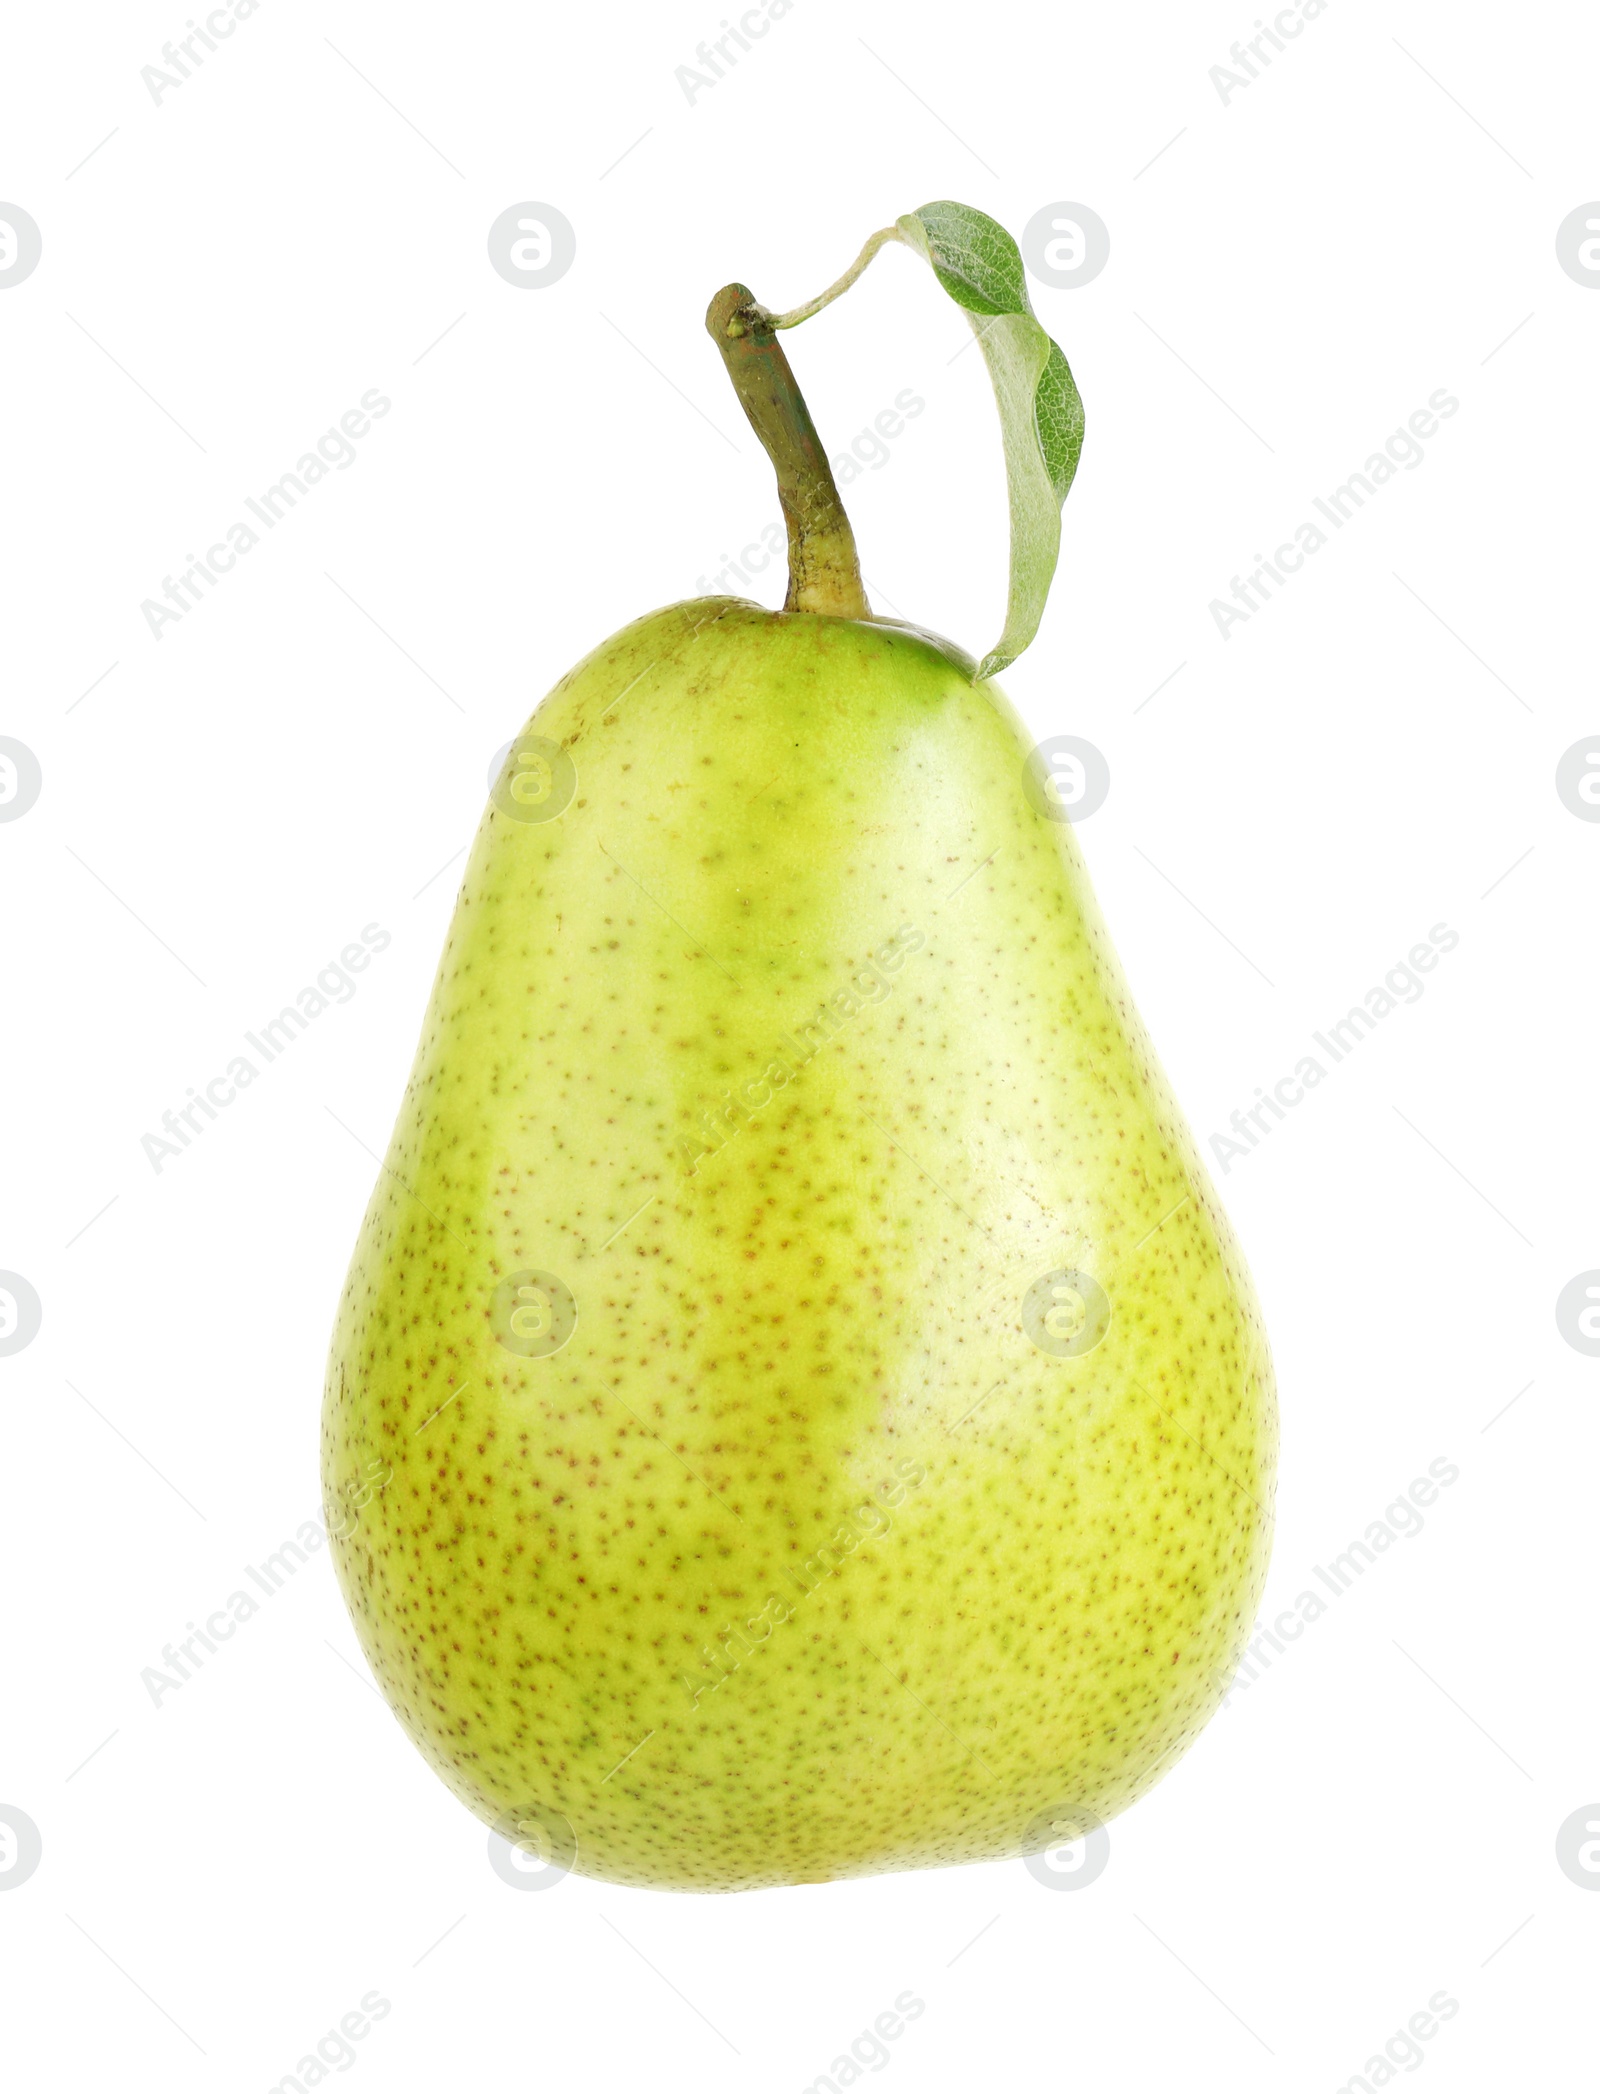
1041	414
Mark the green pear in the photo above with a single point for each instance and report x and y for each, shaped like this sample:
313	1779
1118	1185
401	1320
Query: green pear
797	1408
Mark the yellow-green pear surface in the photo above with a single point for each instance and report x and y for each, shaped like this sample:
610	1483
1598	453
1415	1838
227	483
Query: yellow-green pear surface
797	1408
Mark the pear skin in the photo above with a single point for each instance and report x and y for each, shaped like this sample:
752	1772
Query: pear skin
821	1417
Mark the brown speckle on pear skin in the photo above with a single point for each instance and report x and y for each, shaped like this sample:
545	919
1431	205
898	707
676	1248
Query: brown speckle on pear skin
798	1559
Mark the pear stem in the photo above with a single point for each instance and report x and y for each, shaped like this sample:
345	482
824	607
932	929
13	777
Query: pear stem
834	290
824	572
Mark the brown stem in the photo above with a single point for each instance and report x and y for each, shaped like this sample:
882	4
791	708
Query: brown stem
824	574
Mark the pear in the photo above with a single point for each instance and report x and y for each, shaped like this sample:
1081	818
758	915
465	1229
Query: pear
797	1408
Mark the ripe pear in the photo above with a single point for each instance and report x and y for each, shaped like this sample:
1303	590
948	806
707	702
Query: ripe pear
797	1408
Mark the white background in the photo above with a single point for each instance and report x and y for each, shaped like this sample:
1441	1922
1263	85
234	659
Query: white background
226	1874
